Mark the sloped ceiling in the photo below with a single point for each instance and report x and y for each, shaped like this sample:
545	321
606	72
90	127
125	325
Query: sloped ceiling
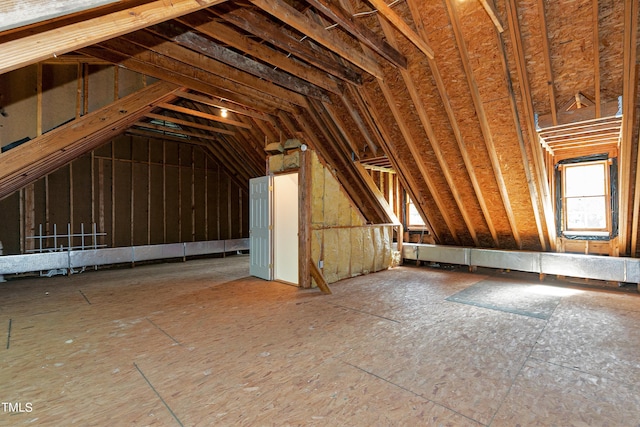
451	92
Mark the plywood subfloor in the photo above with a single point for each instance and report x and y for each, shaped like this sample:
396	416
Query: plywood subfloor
202	344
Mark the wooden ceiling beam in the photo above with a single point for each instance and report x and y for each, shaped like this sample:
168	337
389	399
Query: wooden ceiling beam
20	52
173	71
455	127
203	23
265	29
357	118
546	57
207	116
46	153
596	55
190	124
229	106
332	10
181	34
171	130
301	23
402	26
147	46
482	121
432	138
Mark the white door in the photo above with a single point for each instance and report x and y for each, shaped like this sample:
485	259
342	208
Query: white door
259	227
285	228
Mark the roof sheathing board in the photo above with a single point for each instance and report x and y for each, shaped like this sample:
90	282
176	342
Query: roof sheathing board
570	31
486	60
442	40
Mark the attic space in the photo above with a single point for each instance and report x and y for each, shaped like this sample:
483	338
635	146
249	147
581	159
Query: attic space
440	183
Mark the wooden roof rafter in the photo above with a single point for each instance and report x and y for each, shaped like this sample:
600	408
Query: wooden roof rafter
221	103
547	62
407	179
158	50
360	123
46	153
629	134
301	23
424	173
346	170
332	10
239	150
455	127
432	138
168	69
183	36
39	46
596	55
534	194
265	29
261	51
189	123
482	120
395	20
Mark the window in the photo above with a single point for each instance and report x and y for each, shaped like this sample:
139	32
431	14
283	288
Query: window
414	220
585	198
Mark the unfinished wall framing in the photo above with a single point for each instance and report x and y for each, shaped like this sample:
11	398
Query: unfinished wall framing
137	190
340	237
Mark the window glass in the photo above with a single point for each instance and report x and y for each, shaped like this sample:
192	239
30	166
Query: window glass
585	197
413	216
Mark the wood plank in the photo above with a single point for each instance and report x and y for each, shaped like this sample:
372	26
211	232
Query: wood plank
536	201
189	123
204	24
376	191
432	138
607	109
297	20
268	31
483	122
319	278
166	69
167	54
629	203
36	158
20	13
402	26
337	14
455	127
596	56
493	14
164	129
305	177
202	115
182	35
546	57
357	118
229	106
30	49
407	180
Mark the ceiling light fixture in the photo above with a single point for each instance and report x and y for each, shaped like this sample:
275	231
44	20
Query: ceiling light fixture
223	112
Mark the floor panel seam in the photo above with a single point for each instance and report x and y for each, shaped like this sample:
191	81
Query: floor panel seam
411	391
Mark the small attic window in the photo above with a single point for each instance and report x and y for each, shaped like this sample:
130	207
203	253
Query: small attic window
413	218
585	202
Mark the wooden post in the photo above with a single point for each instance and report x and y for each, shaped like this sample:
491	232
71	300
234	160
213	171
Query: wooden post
304	220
